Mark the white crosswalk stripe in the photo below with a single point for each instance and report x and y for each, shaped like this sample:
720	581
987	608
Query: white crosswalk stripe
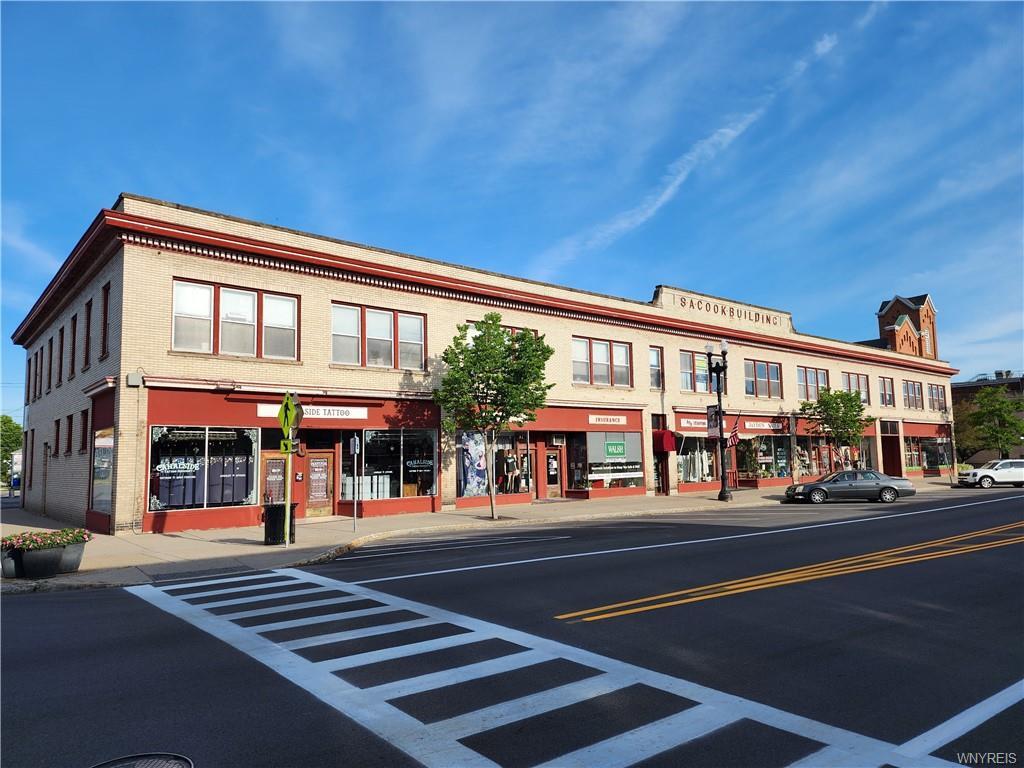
441	744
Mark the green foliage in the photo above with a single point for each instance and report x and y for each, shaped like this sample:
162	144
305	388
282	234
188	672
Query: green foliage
492	382
996	419
10	441
495	380
968	441
838	416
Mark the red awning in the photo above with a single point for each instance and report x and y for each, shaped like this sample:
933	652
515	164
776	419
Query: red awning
664	441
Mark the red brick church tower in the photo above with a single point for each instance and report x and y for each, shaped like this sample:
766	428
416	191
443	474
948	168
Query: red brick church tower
907	325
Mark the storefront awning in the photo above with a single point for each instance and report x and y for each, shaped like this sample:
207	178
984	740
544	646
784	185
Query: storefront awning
664	441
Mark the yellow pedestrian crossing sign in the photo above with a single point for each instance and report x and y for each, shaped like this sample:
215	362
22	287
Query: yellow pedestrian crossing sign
290	414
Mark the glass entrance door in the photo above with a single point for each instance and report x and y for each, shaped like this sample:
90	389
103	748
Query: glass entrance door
553	468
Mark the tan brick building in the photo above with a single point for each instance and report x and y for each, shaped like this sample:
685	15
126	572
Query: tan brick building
158	355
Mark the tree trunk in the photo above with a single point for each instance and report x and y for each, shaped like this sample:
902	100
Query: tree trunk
489	437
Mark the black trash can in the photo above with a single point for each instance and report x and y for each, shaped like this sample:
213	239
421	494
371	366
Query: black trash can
273	524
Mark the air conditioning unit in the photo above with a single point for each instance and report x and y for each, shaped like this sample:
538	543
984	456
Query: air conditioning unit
558	440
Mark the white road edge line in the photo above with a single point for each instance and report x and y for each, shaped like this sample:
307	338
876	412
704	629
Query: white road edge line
773	532
347	558
966	721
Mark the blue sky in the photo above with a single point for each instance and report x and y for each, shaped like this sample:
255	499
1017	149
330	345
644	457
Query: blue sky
812	157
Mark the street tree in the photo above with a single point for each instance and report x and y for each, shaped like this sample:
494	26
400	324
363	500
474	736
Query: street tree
838	416
491	381
996	419
10	441
968	441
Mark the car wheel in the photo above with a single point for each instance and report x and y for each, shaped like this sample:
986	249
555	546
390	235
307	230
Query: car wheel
888	495
818	496
1018	485
986	482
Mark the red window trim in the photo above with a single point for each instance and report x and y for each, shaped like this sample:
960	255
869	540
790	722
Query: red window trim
60	356
936	397
862	378
215	319
72	351
807	387
611	361
768	381
83	440
661	366
882	392
87	347
105	328
69	425
395	341
914	400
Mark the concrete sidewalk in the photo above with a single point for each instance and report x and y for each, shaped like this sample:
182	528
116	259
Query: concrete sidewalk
141	558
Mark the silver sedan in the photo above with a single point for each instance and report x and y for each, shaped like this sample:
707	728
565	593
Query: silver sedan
850	484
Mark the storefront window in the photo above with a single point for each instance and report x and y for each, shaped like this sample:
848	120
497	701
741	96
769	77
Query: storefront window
512	461
764	456
576	455
196	467
382	463
926	452
419	454
696	460
102	469
614	460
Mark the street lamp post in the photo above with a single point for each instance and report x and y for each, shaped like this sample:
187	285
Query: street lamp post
718	369
953	474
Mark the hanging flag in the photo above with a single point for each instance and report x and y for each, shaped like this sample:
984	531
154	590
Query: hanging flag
734	436
839	461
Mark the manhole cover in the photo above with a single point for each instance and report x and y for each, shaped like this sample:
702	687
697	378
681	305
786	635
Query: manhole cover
149	760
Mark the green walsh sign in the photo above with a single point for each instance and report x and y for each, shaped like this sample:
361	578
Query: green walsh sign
616	450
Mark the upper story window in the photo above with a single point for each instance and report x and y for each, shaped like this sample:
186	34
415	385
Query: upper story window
857	382
936	397
280	326
60	357
601	362
28	379
762	379
656	355
49	364
73	350
105	327
350	345
810	381
912	396
87	336
886	392
238	322
193	317
237	331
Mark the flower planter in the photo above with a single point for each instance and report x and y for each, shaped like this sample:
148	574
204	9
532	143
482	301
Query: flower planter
71	558
11	560
41	563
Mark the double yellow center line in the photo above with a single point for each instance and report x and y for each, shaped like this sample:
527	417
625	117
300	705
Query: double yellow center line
1000	536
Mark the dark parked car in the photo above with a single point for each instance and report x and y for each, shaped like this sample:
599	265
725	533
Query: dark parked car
850	484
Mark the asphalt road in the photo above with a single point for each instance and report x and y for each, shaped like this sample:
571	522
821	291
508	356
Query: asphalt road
831	636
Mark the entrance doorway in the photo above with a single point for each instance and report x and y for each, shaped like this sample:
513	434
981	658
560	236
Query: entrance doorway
320	483
553	468
661	474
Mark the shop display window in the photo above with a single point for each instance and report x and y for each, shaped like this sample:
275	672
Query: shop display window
513	462
382	463
764	456
614	460
199	467
696	460
926	452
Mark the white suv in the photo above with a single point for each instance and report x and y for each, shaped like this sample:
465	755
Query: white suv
1005	471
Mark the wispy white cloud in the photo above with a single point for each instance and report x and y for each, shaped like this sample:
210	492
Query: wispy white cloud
825	44
601	235
19	244
869	15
